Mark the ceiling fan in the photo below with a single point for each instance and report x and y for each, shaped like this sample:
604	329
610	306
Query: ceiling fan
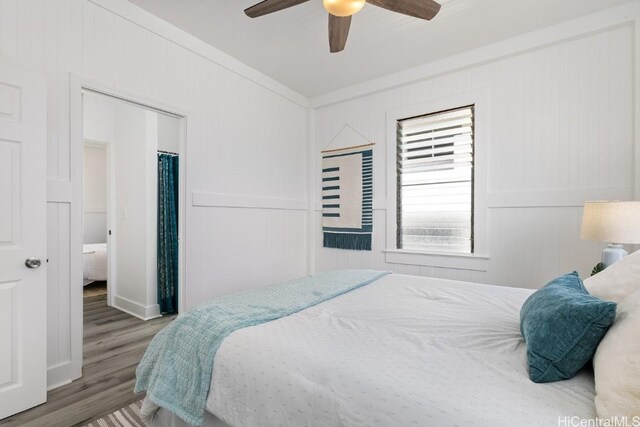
340	12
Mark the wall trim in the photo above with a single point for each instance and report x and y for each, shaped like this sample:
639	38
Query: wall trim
556	198
99	145
94	210
534	199
625	14
216	200
470	262
59	191
173	34
59	375
378	205
144	312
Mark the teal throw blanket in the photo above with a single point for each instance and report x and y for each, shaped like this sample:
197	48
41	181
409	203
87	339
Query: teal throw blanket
177	366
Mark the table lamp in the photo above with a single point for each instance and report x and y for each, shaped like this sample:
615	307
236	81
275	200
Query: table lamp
612	222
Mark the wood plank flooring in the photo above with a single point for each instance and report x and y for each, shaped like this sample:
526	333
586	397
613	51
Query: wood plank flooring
94	288
114	343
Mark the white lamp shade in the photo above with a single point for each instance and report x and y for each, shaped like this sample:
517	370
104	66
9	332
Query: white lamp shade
613	222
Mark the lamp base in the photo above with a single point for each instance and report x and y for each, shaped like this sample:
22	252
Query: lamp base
613	253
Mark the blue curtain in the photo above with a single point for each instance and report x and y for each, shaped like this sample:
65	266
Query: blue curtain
168	232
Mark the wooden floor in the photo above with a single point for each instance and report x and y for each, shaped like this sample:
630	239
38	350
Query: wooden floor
114	343
94	289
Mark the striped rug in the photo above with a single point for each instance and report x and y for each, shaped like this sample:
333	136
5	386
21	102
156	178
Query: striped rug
129	416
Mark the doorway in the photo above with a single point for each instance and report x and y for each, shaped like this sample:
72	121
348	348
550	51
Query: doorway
131	205
95	173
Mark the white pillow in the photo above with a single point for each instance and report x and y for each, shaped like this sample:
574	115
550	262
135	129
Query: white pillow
616	281
616	364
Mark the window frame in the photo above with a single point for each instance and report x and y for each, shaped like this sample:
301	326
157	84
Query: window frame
472	261
473	169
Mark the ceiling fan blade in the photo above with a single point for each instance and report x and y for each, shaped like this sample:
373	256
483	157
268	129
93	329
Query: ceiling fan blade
424	9
269	6
338	32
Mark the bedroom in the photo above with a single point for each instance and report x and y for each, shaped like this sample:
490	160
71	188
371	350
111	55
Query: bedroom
554	87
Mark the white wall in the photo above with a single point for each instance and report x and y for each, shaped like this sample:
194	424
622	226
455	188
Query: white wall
132	134
135	209
246	220
131	183
168	133
559	131
98	119
150	302
246	137
95	193
98	132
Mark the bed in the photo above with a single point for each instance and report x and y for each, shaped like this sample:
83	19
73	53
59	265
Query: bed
94	262
402	350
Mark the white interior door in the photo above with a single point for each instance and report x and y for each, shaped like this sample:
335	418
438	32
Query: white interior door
23	294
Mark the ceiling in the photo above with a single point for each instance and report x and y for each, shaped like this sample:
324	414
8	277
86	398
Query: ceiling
291	46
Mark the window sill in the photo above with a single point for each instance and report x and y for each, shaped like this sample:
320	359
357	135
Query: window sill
474	262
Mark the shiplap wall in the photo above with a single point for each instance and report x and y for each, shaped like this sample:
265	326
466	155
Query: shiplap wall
253	212
95	194
246	136
560	131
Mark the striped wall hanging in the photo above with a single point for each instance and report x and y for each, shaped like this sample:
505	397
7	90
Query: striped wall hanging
347	197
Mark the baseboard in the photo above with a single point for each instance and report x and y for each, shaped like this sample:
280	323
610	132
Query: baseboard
60	384
60	375
135	309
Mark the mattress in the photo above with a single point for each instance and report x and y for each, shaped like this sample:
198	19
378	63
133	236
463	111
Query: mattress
402	351
94	261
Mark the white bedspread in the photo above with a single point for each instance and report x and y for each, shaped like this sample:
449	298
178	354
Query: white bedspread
403	351
94	261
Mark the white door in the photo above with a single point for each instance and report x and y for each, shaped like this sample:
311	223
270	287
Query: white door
23	293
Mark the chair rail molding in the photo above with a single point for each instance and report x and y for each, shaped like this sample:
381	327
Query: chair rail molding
216	200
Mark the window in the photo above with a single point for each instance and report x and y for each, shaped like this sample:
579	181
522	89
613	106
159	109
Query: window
435	182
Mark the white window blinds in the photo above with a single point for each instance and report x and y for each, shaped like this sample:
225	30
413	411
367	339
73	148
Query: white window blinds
435	182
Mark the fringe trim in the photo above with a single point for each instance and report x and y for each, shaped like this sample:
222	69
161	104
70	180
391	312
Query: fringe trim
358	242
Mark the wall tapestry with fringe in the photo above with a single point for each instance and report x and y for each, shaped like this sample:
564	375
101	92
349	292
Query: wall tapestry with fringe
347	197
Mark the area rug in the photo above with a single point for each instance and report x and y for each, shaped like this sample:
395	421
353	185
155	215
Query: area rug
129	416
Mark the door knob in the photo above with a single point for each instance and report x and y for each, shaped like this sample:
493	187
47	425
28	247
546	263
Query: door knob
33	262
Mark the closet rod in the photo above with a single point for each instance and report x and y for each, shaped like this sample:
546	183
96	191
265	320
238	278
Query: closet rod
167	152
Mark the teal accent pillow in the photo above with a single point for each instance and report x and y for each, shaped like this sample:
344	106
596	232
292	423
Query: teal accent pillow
562	325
